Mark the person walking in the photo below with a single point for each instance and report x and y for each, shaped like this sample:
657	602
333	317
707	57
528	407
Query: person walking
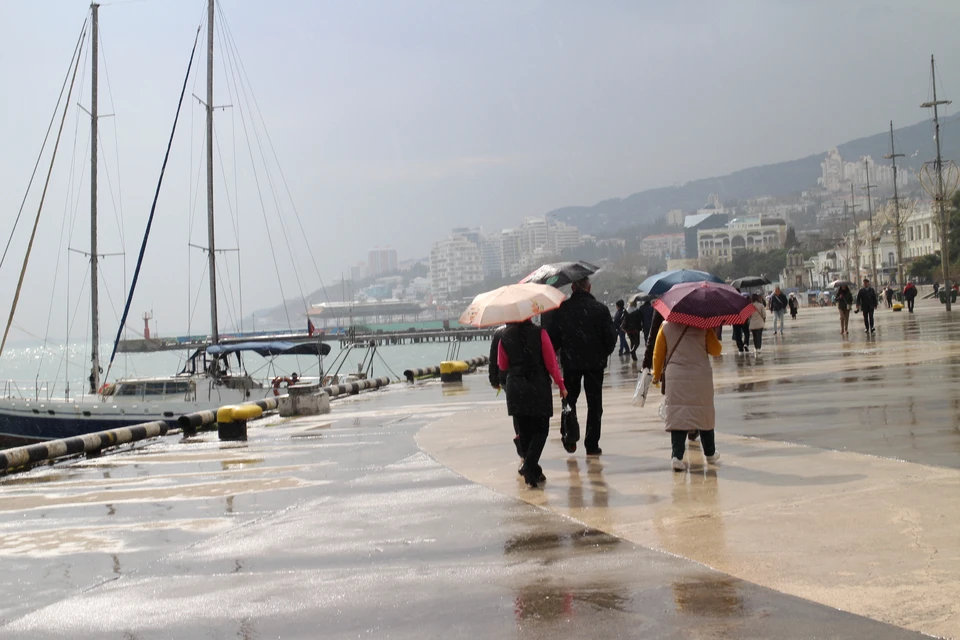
844	302
646	314
936	289
867	302
778	304
910	294
526	361
681	362
757	321
583	331
793	305
888	294
493	374
633	326
618	323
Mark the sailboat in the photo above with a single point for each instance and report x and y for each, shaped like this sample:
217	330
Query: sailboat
212	377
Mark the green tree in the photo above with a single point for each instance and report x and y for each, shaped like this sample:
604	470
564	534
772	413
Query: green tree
791	241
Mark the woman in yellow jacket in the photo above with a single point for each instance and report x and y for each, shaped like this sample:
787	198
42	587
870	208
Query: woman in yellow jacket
681	356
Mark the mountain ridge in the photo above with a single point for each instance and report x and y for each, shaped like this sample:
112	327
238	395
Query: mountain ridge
777	179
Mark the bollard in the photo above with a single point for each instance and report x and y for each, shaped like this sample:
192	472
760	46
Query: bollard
232	420
453	370
304	400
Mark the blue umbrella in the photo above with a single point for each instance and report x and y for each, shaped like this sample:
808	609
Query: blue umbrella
659	284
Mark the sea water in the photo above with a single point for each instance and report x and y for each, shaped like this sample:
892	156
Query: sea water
27	366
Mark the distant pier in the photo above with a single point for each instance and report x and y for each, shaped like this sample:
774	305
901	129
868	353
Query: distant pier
343	338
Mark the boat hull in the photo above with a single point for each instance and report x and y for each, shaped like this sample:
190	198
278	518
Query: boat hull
30	421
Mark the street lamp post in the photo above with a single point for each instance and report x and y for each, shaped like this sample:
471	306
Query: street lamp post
939	195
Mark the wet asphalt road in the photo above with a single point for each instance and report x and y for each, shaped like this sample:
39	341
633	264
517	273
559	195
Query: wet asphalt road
340	527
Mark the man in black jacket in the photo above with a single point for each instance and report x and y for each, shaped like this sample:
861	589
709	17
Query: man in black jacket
583	331
867	303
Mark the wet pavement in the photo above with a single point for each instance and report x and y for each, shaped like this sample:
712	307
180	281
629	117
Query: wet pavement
400	514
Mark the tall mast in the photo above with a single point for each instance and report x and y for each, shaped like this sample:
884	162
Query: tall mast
939	196
898	226
94	139
873	243
211	248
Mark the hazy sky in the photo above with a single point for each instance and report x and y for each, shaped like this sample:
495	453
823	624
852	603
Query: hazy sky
394	121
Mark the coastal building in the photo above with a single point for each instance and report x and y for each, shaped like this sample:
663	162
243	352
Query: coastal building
455	265
381	261
719	245
664	245
692	225
837	175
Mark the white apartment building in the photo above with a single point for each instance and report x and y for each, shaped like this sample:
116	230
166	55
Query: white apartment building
511	251
663	245
717	246
455	264
837	175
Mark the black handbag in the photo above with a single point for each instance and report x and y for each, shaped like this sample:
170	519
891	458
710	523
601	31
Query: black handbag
569	428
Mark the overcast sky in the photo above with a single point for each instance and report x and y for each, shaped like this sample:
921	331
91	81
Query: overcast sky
394	121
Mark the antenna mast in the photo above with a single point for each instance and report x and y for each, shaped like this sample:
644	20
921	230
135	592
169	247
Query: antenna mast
898	224
873	243
211	248
939	195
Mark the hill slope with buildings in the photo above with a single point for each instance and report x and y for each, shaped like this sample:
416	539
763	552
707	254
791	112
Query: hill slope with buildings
780	179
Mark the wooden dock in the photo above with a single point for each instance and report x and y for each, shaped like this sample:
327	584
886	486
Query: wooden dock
380	338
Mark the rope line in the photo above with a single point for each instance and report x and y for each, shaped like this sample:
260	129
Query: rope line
153	209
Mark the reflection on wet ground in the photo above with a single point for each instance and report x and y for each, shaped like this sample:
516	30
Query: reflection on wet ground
341	527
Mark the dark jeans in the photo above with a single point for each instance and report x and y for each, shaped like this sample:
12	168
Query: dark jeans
593	386
910	305
532	432
757	337
679	441
867	319
623	342
741	336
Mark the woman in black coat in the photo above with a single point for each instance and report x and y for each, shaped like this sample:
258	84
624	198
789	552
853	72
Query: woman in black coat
527	361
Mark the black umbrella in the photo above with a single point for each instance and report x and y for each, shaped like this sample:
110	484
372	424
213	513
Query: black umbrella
640	298
558	274
746	282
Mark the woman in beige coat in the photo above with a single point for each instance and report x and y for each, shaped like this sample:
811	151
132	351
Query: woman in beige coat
681	359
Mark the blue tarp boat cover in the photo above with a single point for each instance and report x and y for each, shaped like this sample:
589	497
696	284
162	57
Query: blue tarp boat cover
278	348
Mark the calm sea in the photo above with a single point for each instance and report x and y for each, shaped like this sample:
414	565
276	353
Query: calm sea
27	367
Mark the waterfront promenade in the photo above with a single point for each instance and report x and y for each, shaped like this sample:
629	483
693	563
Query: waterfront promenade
400	515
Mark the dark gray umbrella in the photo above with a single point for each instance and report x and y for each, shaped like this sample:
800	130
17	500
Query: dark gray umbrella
558	274
746	282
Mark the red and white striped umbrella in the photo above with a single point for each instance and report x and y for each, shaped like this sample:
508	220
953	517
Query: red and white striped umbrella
704	305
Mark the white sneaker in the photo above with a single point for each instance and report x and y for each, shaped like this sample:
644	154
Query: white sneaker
713	459
679	465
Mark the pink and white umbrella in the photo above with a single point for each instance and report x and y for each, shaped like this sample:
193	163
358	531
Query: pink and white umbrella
512	303
704	305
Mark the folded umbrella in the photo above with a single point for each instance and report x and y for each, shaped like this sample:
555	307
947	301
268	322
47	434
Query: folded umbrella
704	305
660	283
512	303
558	274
